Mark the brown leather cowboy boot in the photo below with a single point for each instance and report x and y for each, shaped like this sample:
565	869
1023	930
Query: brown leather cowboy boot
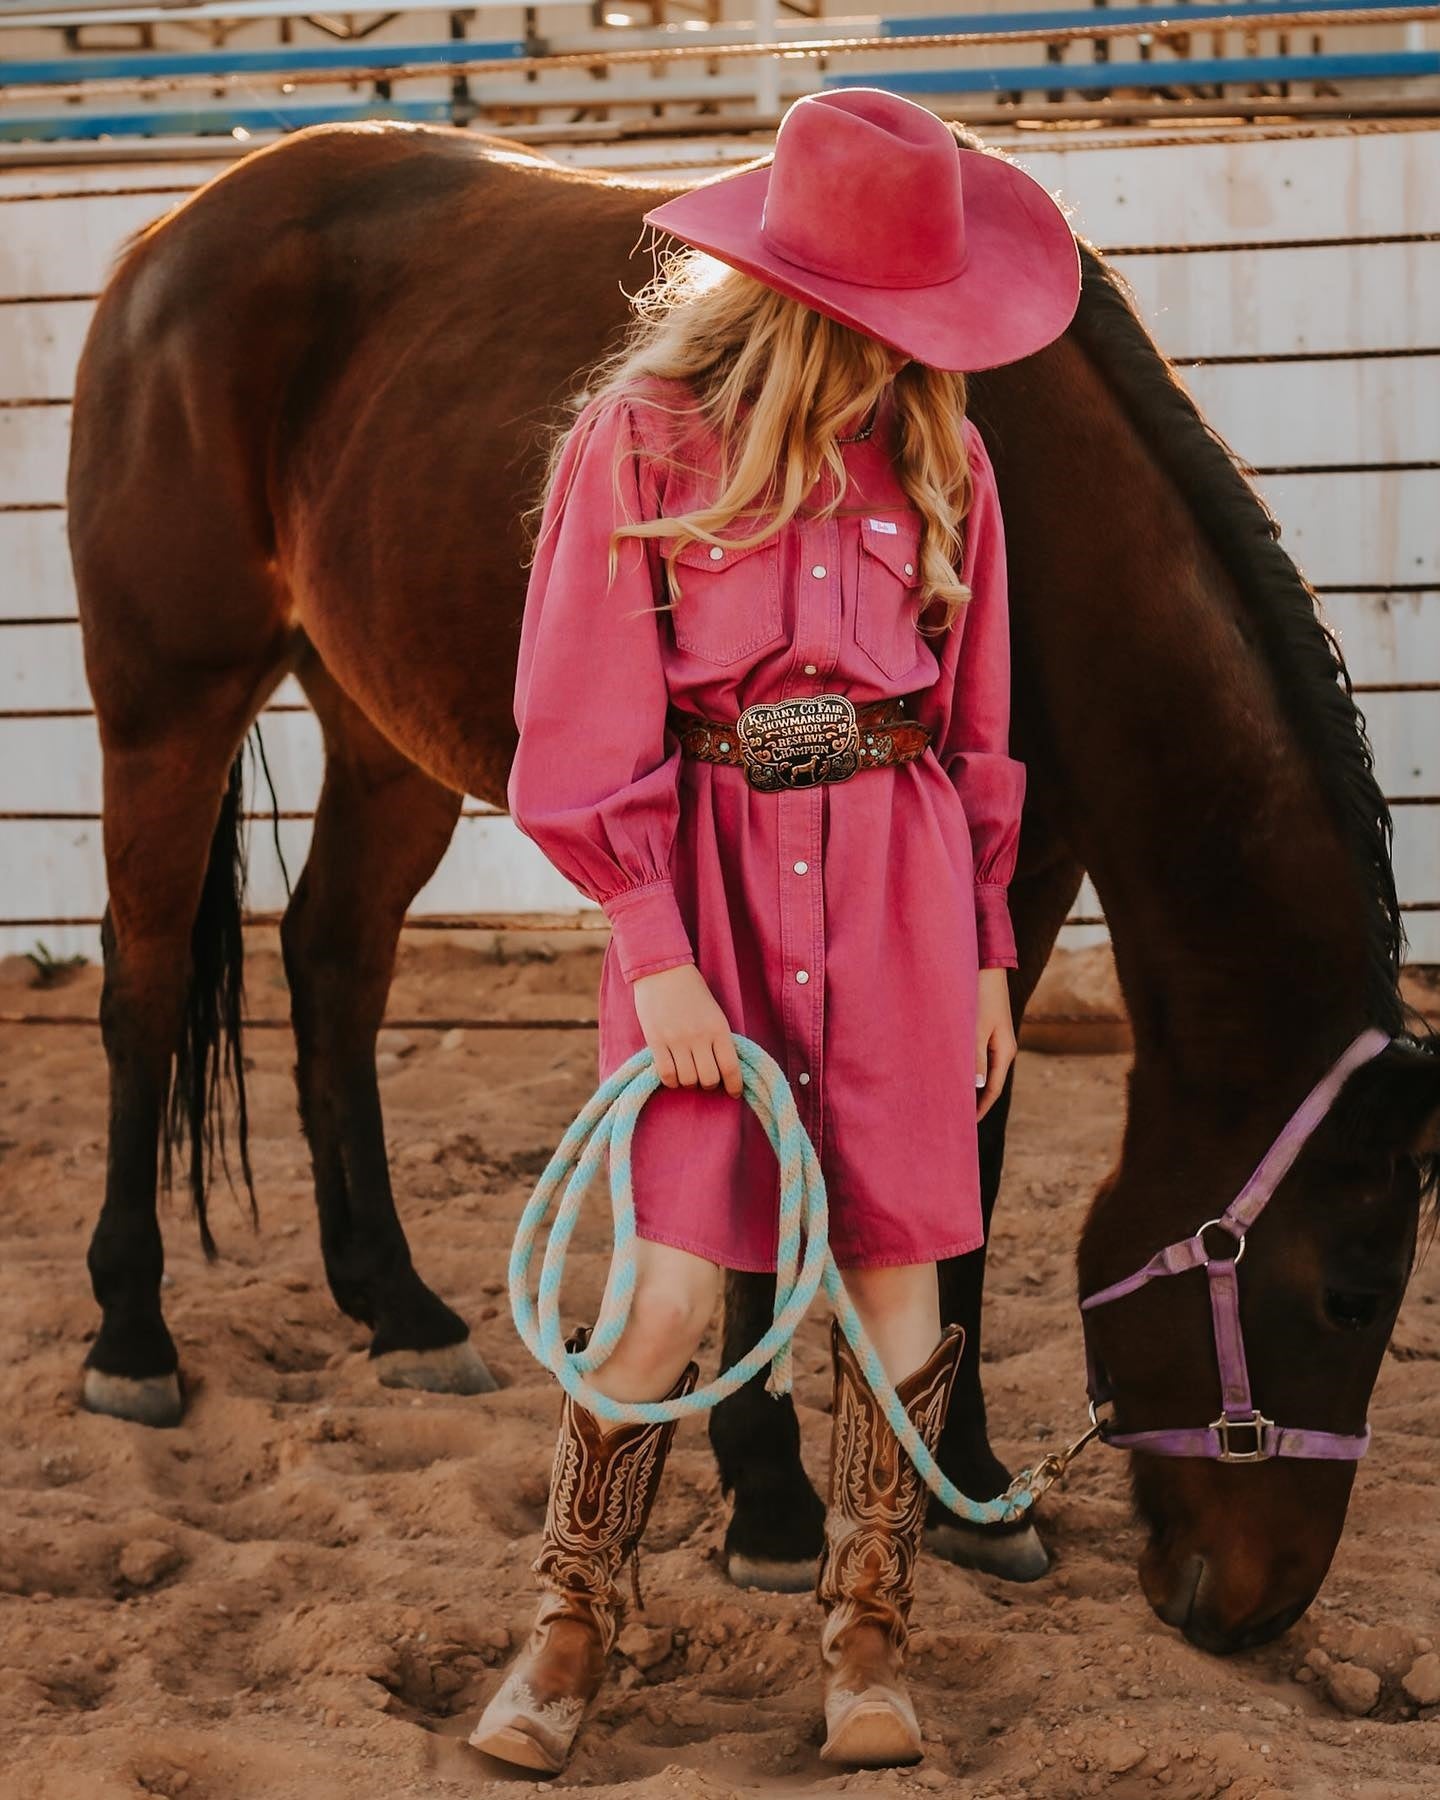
602	1487
866	1576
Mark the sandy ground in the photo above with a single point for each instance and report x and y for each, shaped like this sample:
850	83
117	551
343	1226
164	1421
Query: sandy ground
308	1589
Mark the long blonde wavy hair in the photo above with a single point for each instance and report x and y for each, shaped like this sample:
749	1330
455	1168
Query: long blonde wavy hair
732	339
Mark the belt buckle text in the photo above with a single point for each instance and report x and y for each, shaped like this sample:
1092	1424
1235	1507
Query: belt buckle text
799	743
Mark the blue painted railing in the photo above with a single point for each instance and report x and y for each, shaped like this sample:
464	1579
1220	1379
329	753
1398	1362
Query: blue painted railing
1180	71
281	60
222	120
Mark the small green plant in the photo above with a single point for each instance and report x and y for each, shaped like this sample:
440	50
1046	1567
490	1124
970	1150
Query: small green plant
52	970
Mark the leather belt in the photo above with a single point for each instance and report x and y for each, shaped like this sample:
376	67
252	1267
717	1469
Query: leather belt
802	742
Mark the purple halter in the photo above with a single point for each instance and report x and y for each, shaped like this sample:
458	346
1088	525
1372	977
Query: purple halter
1239	1417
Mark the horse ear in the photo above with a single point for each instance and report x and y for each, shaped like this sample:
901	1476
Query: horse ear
1397	1103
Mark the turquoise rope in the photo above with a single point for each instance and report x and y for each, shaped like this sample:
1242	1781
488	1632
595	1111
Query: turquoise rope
603	1131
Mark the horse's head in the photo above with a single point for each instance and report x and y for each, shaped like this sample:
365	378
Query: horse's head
1238	1548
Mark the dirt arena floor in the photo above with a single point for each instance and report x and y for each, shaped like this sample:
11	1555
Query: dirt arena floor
309	1588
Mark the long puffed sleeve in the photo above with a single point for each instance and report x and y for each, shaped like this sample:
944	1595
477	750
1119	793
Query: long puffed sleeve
972	742
594	781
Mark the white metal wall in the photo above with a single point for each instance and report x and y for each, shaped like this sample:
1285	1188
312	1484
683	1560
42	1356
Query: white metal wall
1319	251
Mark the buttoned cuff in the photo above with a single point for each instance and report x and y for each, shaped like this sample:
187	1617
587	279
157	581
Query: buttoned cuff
994	932
647	930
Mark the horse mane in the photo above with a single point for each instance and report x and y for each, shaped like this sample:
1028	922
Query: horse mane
1301	650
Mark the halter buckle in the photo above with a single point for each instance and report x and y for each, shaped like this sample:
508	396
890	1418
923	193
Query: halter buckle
1257	1424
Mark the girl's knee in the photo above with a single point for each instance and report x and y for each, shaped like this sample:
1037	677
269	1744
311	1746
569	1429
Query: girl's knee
893	1291
668	1317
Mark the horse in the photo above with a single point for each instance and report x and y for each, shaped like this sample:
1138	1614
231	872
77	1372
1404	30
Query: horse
303	439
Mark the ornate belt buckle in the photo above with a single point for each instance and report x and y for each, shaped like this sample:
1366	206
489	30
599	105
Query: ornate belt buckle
799	743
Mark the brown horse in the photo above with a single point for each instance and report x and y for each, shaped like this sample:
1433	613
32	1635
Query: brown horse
302	441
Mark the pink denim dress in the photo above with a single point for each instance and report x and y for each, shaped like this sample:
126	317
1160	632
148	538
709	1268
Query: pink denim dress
840	926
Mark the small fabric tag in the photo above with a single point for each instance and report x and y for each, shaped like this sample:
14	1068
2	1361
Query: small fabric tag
883	525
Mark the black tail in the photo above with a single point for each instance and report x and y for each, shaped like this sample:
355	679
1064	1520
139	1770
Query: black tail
208	1059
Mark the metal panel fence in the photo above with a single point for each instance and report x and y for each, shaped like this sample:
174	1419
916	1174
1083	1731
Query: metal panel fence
1291	275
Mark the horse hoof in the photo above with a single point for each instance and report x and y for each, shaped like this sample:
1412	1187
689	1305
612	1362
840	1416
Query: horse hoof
457	1369
770	1573
153	1400
1012	1555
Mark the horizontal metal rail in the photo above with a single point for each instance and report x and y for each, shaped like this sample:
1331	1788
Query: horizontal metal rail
468	922
174	70
1188	71
1268	116
12	715
1369	589
1254	470
86	1021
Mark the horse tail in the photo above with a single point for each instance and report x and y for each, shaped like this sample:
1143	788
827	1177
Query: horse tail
208	1062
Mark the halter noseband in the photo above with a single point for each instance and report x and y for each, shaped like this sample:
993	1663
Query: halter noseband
1240	1422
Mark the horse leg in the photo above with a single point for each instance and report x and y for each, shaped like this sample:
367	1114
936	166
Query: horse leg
1014	1551
777	1520
380	830
171	949
1039	903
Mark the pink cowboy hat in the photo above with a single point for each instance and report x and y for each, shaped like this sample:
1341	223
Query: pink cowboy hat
870	212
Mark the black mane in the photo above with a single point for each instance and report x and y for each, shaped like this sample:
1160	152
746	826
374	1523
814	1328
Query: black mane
1302	652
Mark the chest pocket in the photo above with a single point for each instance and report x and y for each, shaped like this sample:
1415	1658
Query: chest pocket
887	595
729	603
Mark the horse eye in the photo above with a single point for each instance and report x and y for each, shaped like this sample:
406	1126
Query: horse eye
1352	1310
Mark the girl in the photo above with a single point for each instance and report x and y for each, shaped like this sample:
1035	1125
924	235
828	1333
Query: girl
770	740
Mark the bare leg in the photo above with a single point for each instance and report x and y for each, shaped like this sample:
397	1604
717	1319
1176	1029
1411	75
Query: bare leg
603	1483
899	1308
673	1303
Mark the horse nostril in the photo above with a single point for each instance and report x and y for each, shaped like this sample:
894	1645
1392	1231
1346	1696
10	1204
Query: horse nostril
1179	1604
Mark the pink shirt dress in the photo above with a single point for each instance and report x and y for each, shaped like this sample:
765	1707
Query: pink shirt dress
840	926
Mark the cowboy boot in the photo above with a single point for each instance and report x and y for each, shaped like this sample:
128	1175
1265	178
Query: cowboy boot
602	1487
866	1576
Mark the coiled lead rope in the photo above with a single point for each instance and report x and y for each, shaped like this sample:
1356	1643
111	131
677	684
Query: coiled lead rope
603	1131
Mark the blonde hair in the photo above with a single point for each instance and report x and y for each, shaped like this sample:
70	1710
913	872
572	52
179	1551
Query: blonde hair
730	338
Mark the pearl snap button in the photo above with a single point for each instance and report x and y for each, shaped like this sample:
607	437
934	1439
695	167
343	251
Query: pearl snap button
802	974
803	1078
801	867
716	553
909	568
809	668
819	569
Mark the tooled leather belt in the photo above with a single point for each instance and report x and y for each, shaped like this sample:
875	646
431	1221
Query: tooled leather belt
803	742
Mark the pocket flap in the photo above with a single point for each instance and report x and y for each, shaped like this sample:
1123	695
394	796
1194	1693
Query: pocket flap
899	550
697	554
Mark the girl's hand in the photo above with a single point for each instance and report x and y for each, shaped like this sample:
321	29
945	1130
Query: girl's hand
686	1030
994	1038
